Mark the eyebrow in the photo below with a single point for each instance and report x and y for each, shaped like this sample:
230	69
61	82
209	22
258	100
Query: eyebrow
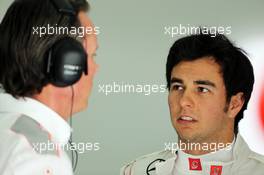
197	82
205	82
176	80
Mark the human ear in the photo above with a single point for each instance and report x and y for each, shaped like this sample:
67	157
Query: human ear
235	105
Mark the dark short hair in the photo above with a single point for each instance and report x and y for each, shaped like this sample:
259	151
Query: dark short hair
21	52
236	69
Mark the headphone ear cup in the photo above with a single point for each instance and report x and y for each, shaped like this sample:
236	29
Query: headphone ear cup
67	60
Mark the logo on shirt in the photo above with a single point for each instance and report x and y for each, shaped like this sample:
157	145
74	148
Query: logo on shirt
152	166
216	170
195	164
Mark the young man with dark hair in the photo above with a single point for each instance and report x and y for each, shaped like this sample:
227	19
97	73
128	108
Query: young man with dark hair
210	83
45	79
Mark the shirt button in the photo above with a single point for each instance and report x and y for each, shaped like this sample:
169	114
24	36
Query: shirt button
48	172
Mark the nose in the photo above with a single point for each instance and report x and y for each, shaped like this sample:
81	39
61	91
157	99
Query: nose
187	100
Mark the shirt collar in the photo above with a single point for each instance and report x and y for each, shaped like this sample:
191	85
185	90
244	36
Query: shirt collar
223	155
46	117
166	168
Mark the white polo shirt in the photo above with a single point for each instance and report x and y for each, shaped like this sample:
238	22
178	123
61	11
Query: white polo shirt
32	138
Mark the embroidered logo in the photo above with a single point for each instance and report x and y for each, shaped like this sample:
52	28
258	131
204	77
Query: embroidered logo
195	164
216	170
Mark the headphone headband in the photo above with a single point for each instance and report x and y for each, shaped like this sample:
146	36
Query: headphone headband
64	6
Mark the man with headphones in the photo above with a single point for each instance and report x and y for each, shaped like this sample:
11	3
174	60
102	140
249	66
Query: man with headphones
45	80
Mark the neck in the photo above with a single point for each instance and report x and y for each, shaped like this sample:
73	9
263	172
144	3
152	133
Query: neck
58	99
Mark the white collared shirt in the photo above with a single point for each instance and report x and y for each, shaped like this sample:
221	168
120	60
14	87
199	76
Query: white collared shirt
243	162
27	129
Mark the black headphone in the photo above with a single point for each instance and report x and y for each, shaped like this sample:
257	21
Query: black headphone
66	59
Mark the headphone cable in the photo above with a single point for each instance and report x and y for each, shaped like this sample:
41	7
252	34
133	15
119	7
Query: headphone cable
74	158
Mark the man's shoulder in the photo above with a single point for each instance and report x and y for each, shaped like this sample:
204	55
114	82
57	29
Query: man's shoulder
246	159
244	152
28	144
146	163
257	157
26	133
253	164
